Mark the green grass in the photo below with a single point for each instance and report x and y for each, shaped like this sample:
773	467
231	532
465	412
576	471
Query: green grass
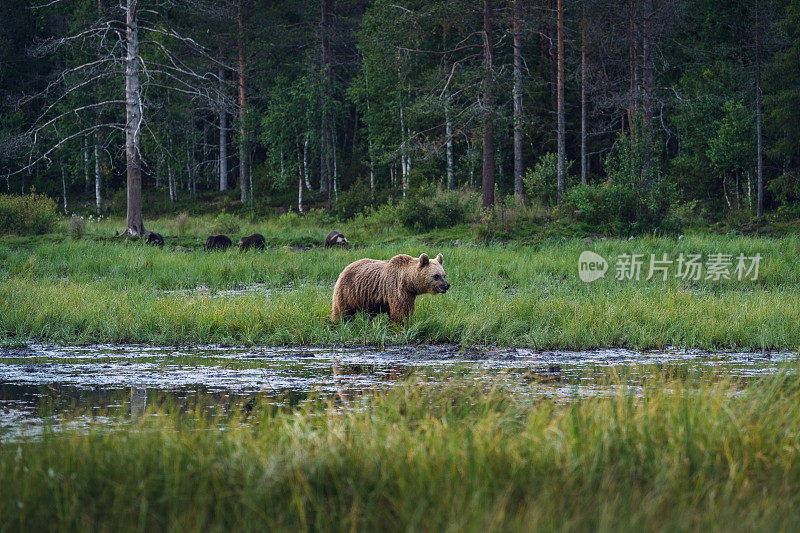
111	290
690	452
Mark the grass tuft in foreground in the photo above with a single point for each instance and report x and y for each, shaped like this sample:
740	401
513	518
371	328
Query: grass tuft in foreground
683	452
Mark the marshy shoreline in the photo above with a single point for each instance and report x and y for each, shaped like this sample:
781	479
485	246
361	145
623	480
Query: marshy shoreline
518	295
160	388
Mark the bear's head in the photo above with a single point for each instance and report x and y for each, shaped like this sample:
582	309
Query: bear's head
341	240
431	278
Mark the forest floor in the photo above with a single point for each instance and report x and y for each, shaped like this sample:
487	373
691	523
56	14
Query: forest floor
100	288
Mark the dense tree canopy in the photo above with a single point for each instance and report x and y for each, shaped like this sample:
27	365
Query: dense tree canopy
351	102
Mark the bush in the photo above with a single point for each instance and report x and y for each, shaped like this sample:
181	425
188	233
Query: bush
616	209
119	202
510	219
541	181
377	219
355	200
76	226
32	214
786	189
181	223
225	223
430	208
691	214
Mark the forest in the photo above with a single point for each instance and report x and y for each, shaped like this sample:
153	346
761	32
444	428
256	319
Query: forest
559	288
634	115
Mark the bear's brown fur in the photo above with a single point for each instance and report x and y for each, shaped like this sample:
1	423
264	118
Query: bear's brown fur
256	240
217	242
387	286
155	239
336	238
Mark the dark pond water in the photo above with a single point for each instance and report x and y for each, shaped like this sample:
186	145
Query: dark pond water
93	384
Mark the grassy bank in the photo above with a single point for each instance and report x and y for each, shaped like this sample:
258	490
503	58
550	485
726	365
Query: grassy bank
96	289
691	452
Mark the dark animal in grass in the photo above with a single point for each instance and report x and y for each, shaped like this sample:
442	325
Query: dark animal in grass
335	238
156	239
387	286
256	240
217	242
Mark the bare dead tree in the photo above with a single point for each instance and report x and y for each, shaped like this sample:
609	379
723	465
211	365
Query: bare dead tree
117	38
134	225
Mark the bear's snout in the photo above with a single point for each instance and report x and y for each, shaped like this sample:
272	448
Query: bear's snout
443	288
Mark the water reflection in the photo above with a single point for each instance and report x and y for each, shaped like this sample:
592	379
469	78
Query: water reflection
105	382
138	400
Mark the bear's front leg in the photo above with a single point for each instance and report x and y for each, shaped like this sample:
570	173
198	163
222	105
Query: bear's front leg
399	310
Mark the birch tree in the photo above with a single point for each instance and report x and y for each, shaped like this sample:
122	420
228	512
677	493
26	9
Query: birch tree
133	48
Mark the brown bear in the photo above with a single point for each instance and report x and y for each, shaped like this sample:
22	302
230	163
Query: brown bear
336	238
217	242
156	239
387	286
256	240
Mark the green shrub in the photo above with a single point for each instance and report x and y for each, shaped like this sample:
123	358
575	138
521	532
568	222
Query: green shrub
181	223
541	181
510	219
355	200
430	208
31	214
786	189
617	209
691	214
76	226
225	223
119	202
377	219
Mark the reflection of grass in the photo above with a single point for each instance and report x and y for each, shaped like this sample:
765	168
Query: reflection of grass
681	455
509	295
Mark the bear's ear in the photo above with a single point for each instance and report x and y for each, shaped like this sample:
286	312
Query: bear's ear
423	260
440	259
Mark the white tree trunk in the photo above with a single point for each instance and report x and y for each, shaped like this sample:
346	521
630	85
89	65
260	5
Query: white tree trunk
64	188
403	162
86	163
223	141
299	184
335	166
306	176
173	190
97	183
448	122
189	172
